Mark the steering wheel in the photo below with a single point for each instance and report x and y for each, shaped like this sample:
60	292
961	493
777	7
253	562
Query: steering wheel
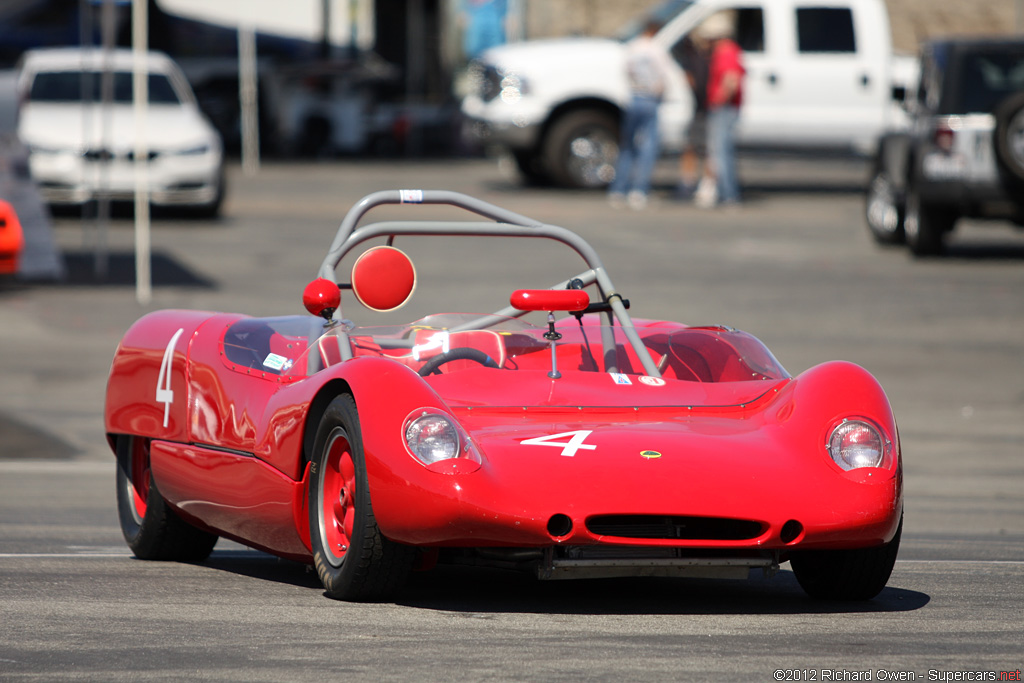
433	366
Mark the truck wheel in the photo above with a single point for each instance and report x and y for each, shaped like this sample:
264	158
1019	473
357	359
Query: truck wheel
152	530
846	574
530	167
1009	138
353	559
580	149
884	210
926	225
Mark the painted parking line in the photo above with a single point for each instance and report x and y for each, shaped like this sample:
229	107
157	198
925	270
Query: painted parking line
110	553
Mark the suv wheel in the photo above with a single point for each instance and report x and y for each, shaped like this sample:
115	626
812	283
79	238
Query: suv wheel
1009	138
884	210
926	225
580	149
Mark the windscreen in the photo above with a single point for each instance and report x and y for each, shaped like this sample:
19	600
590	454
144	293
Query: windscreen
70	86
298	346
988	78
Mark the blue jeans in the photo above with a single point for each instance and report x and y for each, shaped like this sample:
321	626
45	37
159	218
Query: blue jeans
722	150
638	150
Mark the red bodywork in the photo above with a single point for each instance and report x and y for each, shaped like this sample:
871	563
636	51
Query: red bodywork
12	239
232	452
643	437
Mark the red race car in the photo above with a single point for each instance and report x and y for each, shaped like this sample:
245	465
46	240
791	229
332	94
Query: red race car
589	445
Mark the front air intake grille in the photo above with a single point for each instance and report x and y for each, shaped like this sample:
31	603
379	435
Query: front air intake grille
675	527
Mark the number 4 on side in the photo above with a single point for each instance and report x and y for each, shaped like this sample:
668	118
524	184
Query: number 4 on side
164	394
569	447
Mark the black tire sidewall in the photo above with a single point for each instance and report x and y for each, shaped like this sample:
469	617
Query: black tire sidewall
859	574
130	528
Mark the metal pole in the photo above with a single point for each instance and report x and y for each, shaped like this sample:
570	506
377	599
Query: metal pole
140	104
101	259
248	100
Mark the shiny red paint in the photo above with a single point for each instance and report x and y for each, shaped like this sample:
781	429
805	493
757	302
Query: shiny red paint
383	278
236	495
320	296
12	239
549	299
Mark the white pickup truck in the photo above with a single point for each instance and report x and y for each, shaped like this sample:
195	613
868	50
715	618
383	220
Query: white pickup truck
820	74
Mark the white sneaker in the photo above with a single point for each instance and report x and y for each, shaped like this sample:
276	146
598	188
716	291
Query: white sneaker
637	200
707	194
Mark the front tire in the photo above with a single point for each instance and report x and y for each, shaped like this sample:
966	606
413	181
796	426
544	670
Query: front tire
150	527
581	148
353	559
884	210
858	574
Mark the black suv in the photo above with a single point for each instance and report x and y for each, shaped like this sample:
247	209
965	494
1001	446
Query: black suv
963	155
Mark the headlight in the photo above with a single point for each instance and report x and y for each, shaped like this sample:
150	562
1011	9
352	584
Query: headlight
40	149
857	443
433	437
194	151
513	87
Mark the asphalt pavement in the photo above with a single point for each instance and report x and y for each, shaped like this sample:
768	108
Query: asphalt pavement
794	266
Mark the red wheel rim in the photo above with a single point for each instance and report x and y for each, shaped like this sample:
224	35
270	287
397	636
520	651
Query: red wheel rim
337	505
138	478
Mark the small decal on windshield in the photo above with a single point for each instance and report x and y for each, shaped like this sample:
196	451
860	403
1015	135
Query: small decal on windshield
620	378
276	362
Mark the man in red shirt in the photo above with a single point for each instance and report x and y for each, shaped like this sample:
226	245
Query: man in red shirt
725	95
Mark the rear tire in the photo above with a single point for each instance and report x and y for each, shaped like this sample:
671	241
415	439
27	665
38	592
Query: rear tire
926	225
151	528
1009	140
353	559
859	574
581	148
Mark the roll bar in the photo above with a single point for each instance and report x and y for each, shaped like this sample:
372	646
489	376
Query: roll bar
503	223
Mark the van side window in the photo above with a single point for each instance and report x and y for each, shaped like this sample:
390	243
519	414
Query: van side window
825	29
750	29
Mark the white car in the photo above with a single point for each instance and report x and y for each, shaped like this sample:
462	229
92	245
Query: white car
79	152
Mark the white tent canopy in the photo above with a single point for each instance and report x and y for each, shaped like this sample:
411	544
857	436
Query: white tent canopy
303	20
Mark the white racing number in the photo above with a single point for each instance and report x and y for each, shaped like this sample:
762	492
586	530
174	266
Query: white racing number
164	394
569	447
